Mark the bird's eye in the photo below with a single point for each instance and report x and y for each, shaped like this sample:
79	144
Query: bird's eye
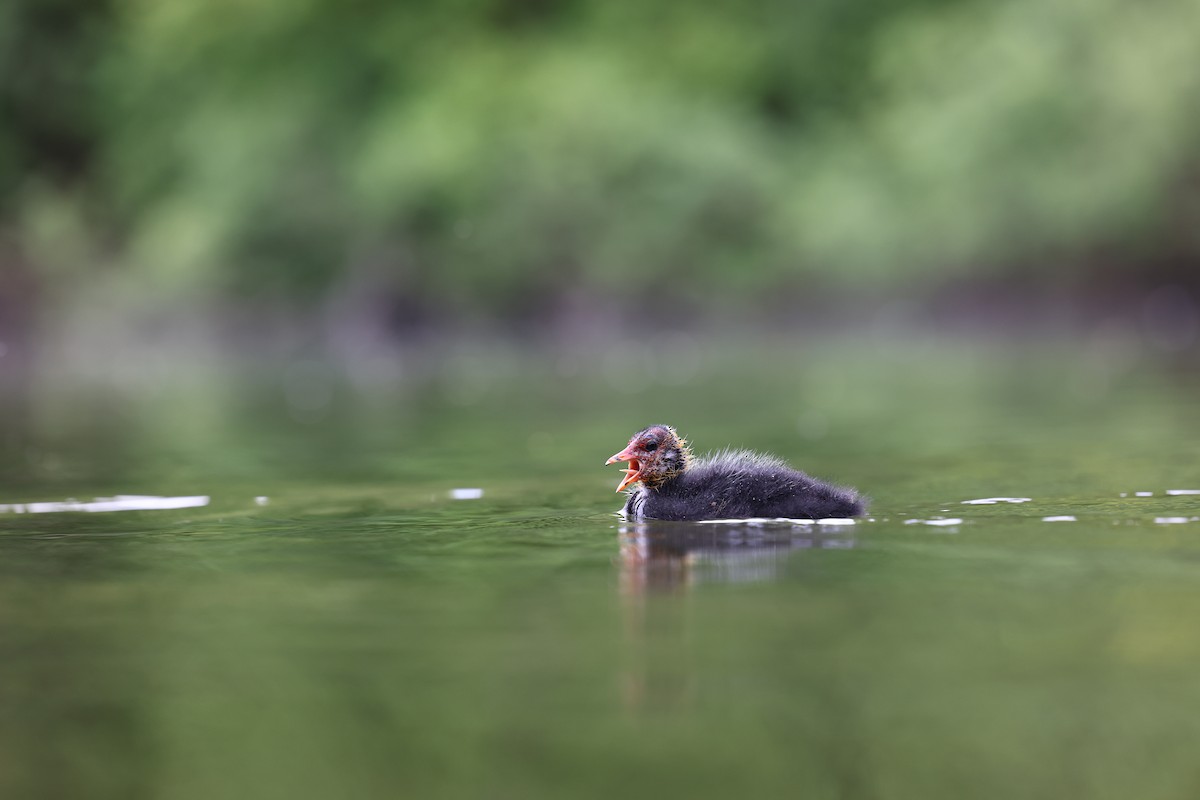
650	447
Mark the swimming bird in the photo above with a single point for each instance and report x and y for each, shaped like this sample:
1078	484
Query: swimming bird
669	483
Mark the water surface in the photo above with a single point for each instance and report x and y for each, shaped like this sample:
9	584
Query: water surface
332	622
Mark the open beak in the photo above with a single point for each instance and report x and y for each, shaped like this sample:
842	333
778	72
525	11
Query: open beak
633	474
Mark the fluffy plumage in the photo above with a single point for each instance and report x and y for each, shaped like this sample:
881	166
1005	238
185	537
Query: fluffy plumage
727	484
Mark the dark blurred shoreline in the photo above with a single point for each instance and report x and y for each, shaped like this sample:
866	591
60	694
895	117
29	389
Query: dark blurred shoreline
1162	317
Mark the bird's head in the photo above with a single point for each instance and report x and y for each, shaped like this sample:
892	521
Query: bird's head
655	454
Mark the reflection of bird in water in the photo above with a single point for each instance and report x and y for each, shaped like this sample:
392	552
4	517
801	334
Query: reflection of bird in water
661	558
671	484
666	555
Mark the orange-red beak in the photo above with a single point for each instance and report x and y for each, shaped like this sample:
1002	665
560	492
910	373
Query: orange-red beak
633	474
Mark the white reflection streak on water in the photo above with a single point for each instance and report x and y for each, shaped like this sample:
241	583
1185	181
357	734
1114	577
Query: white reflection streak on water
758	522
937	523
122	502
991	501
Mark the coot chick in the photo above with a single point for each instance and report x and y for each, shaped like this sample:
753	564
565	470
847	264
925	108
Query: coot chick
674	485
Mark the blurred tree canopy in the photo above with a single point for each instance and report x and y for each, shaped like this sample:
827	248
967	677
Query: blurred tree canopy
491	159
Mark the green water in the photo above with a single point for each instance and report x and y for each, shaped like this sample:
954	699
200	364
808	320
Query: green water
362	634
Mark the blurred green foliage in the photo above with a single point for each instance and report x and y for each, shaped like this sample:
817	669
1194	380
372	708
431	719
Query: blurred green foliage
489	158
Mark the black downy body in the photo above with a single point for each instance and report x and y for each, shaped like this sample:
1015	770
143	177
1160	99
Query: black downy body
740	484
